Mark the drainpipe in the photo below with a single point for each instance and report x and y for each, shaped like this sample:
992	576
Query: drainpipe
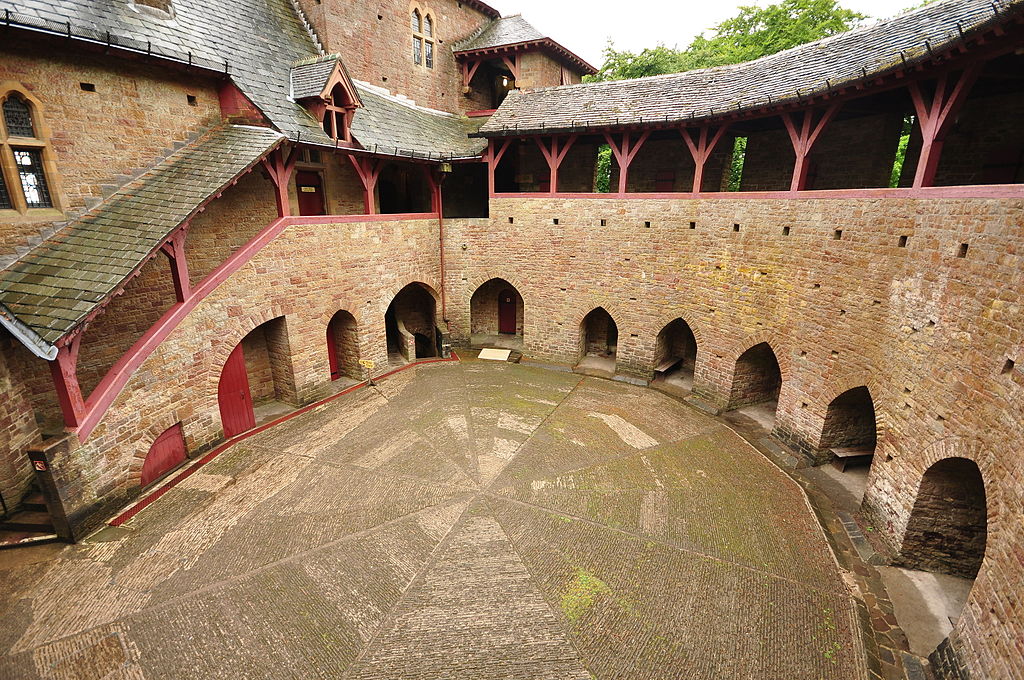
440	232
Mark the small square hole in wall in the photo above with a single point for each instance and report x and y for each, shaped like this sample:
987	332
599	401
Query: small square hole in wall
804	404
803	352
837	235
380	17
735	227
647	225
511	220
785	231
718	267
87	87
693	225
192	100
903	241
1008	367
842	312
554	221
876	303
835	353
816	286
962	252
604	223
633	335
383	79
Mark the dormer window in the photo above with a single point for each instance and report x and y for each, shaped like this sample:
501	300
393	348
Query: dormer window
422	38
338	115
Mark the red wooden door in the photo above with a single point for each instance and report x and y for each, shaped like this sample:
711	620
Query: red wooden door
167	453
507	312
332	352
236	414
311	193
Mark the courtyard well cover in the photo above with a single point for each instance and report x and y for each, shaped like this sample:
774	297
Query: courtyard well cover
465	520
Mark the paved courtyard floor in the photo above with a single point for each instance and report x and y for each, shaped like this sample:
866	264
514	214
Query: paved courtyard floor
463	520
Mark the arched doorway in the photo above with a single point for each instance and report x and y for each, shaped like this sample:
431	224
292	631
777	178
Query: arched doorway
849	436
756	383
496	313
599	340
410	325
675	356
343	347
166	453
943	550
256	383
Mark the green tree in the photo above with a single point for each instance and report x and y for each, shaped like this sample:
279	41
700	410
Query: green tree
754	32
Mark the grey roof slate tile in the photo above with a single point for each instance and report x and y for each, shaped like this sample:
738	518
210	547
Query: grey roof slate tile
807	69
387	123
509	30
56	285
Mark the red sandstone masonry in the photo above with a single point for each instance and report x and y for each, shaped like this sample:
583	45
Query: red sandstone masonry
927	332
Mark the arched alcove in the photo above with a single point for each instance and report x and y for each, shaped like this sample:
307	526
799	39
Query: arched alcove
756	383
599	340
497	314
411	326
675	356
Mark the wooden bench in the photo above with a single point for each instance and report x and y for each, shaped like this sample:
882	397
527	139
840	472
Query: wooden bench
666	366
843	458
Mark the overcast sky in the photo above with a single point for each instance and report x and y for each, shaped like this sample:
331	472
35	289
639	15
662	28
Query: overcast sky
584	26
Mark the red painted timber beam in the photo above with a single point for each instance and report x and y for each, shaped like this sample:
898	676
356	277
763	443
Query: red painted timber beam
803	140
280	170
701	150
64	370
935	117
554	156
174	249
513	64
625	152
368	170
469	69
493	156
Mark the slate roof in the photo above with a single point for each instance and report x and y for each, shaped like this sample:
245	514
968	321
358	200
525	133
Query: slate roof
309	79
505	31
386	123
259	39
57	284
807	69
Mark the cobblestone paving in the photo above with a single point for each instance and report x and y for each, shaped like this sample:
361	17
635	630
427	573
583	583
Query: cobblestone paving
470	520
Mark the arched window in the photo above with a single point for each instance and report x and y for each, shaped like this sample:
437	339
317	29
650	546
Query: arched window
422	38
338	115
22	157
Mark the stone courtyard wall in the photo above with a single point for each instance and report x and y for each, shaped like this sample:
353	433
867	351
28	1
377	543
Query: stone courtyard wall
928	332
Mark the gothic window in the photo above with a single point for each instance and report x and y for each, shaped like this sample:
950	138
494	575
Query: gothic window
23	156
338	115
18	117
33	180
422	38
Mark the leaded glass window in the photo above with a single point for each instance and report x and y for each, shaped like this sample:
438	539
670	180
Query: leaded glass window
430	55
417	50
417	26
33	181
428	26
18	117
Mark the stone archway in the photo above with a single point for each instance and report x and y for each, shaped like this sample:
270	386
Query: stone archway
410	324
598	343
497	315
675	356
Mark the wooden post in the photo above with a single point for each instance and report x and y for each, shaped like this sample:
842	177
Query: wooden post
701	150
174	249
625	153
803	141
554	156
435	188
493	157
469	68
368	170
280	168
513	65
64	370
935	118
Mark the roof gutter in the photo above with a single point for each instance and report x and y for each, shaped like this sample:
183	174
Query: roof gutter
26	335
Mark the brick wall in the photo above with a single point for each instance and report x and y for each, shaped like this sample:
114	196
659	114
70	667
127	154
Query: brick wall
537	69
133	117
228	223
926	331
484	307
18	429
987	132
375	42
125	320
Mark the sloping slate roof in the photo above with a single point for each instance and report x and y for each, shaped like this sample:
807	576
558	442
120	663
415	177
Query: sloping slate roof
259	39
505	31
386	123
808	68
59	283
308	80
